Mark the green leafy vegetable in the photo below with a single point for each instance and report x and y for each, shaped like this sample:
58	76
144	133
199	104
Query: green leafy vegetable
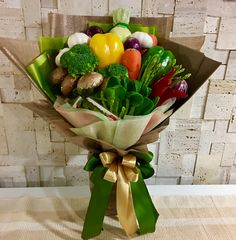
122	96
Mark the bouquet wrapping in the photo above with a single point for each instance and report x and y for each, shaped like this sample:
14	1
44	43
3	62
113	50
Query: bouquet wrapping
119	158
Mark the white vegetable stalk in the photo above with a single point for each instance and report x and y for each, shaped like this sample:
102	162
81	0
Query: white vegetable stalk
77	38
121	19
58	57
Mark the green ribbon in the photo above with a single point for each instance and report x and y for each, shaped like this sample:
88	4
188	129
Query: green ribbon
40	71
121	24
144	209
98	204
52	44
42	66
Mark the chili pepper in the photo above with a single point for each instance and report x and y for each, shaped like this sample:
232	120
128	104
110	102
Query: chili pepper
108	47
159	87
172	93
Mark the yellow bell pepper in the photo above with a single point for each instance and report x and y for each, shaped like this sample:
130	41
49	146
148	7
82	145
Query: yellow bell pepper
108	47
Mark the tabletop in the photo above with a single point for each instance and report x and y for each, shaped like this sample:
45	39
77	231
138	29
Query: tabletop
187	212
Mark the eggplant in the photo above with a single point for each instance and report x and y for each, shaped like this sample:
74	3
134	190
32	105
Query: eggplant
93	30
132	43
182	86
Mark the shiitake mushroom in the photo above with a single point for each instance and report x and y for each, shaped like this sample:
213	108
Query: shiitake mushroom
67	85
88	82
57	75
85	85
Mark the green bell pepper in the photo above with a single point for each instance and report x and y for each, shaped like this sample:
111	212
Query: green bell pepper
156	63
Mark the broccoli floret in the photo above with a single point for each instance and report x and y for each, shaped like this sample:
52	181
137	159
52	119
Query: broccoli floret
79	60
81	49
114	70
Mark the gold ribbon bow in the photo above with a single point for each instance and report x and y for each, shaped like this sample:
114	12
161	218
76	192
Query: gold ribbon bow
123	171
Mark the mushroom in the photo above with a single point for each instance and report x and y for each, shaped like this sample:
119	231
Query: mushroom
88	82
58	75
68	84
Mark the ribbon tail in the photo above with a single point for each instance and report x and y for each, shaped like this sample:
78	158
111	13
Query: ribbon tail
98	204
144	208
125	208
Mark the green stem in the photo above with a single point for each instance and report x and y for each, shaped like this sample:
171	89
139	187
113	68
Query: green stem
122	113
103	100
148	71
127	104
131	111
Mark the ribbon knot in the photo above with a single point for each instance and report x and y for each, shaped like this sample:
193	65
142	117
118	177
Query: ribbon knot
125	167
122	170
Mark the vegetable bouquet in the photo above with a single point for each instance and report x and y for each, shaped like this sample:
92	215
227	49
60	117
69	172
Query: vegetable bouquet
112	86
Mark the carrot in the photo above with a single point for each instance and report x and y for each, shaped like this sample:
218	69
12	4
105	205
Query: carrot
131	59
154	39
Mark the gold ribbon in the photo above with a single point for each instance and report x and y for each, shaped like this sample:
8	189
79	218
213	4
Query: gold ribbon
123	171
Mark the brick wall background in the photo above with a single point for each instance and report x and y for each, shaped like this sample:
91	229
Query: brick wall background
198	147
